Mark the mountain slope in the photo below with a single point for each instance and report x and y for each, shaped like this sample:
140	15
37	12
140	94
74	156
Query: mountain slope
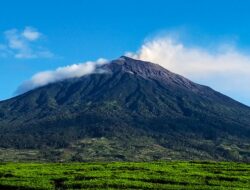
135	110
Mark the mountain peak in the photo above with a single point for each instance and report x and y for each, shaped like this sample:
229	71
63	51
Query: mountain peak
124	57
134	66
126	60
148	70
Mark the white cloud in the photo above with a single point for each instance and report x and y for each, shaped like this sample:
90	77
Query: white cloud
31	34
61	73
224	68
23	44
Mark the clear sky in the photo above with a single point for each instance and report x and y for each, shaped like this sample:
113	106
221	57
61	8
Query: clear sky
44	35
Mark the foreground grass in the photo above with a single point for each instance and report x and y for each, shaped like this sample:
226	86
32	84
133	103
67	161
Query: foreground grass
125	175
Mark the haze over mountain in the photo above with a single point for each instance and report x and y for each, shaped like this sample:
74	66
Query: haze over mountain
134	110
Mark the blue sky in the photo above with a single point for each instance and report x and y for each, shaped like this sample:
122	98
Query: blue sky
65	32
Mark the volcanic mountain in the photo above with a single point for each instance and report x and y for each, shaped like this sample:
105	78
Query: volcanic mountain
133	110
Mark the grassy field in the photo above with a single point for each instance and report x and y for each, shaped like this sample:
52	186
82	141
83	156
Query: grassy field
125	175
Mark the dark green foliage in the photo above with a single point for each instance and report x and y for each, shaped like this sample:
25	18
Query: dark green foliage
142	111
124	175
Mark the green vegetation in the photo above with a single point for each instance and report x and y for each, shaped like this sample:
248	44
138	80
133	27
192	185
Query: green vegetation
125	175
134	149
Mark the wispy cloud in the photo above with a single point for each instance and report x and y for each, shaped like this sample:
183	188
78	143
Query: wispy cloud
23	44
4	52
224	68
61	73
31	34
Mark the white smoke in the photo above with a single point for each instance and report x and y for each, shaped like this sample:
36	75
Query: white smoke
224	68
61	73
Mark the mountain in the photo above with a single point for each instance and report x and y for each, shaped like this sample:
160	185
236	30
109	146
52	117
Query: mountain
133	110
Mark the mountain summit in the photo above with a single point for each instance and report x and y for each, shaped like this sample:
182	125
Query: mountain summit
133	110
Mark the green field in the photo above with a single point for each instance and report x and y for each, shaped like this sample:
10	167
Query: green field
125	175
